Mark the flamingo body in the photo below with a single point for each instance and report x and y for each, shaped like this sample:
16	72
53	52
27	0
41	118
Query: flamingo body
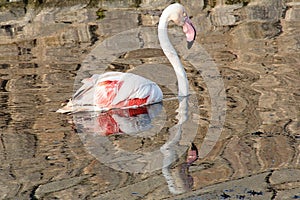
111	90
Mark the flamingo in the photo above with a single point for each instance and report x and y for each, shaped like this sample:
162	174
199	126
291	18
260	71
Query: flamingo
111	90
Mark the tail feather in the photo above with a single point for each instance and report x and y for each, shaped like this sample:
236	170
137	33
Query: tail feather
67	108
71	108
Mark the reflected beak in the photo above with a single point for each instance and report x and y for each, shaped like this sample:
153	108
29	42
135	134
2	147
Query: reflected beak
190	32
192	154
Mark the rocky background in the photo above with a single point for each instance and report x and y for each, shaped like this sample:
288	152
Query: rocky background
256	45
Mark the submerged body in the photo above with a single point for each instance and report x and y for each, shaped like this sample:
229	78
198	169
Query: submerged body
125	90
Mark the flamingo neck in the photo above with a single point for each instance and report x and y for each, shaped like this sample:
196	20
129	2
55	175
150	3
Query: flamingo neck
169	51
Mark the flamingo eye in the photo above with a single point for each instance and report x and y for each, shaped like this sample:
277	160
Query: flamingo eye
184	14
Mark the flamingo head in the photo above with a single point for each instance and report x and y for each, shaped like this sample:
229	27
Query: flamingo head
180	17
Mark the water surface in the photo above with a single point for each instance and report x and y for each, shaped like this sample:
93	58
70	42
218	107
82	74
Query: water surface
251	151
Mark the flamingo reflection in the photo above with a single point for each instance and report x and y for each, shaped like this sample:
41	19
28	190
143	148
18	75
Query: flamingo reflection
118	121
135	120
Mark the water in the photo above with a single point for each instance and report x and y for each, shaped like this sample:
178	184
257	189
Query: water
246	58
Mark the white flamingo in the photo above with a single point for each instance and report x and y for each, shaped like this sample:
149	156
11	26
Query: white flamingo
124	90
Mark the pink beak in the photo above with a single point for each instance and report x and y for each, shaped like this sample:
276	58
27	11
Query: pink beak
189	31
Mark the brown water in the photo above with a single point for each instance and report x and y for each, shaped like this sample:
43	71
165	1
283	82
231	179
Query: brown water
246	57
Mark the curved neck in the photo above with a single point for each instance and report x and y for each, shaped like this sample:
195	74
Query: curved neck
169	51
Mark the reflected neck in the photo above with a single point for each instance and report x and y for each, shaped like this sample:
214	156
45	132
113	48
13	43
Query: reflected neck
169	51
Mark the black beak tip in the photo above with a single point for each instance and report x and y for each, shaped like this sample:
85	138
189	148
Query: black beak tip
190	44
